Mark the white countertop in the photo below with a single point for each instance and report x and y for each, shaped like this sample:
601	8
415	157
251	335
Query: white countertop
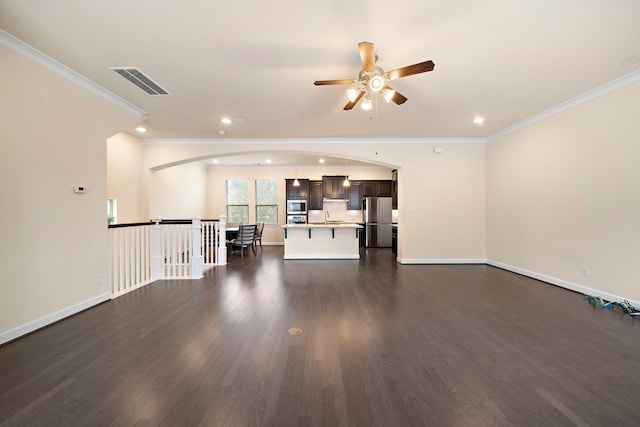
322	225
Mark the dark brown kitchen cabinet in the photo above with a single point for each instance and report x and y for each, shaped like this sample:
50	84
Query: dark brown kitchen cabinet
355	195
300	192
333	187
315	195
394	189
369	189
376	188
383	188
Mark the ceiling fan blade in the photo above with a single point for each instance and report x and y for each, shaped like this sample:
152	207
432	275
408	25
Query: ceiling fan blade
333	82
367	56
397	97
353	103
410	70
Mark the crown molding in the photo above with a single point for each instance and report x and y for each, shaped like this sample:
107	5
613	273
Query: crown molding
248	141
580	99
51	64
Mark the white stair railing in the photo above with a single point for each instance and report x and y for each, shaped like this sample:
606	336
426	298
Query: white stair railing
130	258
143	253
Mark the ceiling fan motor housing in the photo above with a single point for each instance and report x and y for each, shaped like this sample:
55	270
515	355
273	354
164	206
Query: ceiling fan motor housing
373	80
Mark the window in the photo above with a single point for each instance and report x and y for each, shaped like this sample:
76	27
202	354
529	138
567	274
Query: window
238	200
267	201
112	211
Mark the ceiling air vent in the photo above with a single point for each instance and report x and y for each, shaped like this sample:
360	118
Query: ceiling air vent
138	78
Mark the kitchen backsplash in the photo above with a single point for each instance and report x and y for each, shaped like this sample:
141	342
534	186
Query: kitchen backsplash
337	210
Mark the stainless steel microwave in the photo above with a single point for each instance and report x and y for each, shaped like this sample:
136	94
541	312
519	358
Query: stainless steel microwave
296	207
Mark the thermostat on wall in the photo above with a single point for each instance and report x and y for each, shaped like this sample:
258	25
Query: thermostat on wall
80	189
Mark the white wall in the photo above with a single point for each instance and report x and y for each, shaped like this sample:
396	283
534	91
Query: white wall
125	178
54	242
563	197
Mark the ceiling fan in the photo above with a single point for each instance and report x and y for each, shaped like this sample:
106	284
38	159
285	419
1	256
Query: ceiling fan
373	79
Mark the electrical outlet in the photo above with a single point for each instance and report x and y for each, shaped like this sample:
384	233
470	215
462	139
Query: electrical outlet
98	279
585	271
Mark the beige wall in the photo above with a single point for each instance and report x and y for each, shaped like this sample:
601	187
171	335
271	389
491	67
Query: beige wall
441	206
54	242
179	192
125	178
563	197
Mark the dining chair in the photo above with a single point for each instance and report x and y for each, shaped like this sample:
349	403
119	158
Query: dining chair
244	239
258	236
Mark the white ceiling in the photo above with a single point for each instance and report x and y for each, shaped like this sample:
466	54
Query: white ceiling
504	60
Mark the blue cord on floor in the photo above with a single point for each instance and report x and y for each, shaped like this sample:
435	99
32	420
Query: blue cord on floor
624	305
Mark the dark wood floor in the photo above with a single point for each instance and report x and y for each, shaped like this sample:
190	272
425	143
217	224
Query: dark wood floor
382	345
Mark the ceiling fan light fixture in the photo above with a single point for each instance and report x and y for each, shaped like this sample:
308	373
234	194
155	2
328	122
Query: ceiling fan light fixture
372	79
387	94
366	104
352	94
376	83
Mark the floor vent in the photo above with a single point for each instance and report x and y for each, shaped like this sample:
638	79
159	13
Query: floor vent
138	78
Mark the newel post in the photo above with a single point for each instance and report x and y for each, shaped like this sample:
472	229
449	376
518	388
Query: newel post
222	240
196	252
156	250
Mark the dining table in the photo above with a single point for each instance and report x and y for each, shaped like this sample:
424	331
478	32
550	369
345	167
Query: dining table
231	232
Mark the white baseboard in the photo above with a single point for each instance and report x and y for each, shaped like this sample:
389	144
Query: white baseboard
441	261
562	283
347	256
532	274
52	318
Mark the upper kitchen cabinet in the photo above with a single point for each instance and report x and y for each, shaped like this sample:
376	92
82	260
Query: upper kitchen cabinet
355	195
394	189
383	188
299	192
315	195
369	188
333	187
377	188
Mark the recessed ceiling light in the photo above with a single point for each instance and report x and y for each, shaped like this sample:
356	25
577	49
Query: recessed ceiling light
222	133
141	129
478	120
214	161
321	161
269	161
226	120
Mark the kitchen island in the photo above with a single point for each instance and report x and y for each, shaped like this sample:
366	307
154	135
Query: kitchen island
322	241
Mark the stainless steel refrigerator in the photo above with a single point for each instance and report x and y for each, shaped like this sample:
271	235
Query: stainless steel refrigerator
377	219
